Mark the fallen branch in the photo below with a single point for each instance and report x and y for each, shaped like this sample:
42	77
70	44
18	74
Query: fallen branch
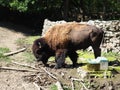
25	65
72	84
14	52
15	69
50	74
59	86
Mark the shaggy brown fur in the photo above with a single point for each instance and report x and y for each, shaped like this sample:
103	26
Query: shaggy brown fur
64	39
60	34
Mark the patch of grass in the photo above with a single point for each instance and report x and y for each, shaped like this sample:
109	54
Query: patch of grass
53	87
2	51
111	56
28	56
117	68
28	40
85	54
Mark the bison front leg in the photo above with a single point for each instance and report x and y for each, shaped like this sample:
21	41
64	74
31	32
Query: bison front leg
97	51
60	58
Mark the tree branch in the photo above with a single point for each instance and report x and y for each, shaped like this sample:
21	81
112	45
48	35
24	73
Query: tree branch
15	69
25	65
59	86
50	74
14	52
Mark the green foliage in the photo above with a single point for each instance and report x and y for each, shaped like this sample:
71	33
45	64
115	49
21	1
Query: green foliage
53	87
2	51
30	5
87	5
28	56
111	56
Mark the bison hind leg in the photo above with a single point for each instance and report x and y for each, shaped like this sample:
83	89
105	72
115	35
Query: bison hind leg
73	56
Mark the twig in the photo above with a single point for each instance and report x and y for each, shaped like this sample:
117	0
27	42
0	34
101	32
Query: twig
15	69
14	52
72	84
81	81
39	87
25	65
59	86
50	74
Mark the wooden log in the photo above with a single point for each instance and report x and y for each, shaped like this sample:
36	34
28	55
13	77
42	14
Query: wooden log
14	52
15	69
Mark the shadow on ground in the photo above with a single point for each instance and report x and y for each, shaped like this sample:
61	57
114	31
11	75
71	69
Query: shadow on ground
20	28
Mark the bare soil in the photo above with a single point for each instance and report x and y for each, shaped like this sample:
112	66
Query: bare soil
43	77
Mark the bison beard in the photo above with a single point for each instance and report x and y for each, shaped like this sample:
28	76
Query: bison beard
64	39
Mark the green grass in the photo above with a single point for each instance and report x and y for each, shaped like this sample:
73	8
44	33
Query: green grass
111	56
28	56
28	40
85	54
53	87
2	51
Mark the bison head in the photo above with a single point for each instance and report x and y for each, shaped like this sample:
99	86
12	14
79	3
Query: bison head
40	50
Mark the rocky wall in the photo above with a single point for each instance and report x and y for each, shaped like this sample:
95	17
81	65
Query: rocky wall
111	41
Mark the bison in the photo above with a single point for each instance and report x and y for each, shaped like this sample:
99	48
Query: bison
64	40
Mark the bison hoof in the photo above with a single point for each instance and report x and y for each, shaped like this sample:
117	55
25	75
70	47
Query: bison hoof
60	66
57	67
74	65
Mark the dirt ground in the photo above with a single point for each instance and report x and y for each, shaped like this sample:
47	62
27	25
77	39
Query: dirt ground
39	77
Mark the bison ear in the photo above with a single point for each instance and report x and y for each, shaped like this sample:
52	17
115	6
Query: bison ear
41	43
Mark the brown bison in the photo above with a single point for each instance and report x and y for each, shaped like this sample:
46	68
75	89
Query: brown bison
64	39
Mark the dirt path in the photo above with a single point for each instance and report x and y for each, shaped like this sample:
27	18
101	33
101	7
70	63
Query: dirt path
9	37
12	80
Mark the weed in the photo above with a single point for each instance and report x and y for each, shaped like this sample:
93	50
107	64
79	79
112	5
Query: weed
2	51
53	87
